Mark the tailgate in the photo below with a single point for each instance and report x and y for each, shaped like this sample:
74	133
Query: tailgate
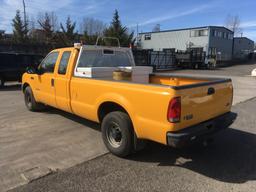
201	103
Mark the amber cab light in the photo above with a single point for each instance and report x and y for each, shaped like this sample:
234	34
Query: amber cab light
174	110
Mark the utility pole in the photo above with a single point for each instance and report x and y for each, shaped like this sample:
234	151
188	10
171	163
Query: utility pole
137	35
137	29
25	15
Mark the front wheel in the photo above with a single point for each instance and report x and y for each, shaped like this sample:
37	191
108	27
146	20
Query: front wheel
30	101
117	133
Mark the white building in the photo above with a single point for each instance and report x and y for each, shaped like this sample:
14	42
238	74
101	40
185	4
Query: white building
214	40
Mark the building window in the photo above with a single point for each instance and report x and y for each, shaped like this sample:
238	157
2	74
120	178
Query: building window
147	36
230	36
169	50
214	33
199	33
203	32
225	35
219	34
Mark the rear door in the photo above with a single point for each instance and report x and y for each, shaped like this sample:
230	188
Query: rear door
199	104
62	80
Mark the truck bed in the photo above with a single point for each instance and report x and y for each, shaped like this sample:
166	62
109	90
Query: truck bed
179	82
201	98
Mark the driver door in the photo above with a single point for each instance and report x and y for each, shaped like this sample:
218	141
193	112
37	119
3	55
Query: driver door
45	90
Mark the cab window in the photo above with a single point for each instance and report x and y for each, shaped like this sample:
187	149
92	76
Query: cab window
49	62
64	62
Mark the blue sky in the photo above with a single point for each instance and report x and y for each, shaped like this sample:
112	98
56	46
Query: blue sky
170	14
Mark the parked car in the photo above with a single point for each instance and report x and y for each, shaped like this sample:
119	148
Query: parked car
13	65
168	109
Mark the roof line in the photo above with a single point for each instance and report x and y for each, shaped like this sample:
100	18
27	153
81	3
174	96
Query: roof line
243	37
189	28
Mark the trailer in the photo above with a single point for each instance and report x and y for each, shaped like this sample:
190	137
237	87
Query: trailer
192	59
13	65
159	60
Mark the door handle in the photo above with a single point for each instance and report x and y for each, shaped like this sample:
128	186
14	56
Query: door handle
52	82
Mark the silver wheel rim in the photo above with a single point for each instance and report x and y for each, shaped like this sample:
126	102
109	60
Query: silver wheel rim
114	135
28	100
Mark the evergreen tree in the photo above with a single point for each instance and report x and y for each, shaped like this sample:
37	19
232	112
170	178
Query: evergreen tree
20	31
68	31
46	25
116	29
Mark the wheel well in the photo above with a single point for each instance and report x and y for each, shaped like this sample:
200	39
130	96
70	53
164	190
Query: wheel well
24	86
108	107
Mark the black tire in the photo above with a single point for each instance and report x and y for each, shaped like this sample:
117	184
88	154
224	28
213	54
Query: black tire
117	133
30	101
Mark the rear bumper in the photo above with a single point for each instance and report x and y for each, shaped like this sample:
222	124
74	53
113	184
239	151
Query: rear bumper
200	131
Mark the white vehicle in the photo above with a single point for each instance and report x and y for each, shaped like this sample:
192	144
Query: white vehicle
254	72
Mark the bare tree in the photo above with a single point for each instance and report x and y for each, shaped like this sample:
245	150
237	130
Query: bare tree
156	28
233	23
92	26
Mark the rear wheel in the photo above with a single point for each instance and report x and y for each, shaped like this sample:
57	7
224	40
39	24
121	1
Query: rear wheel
30	101
117	133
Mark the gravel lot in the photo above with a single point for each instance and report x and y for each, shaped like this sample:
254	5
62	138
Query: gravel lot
226	165
33	145
236	70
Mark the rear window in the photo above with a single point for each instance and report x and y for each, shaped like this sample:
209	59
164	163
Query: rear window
104	58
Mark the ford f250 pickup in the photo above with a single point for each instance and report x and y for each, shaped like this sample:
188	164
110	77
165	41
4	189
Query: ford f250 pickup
168	109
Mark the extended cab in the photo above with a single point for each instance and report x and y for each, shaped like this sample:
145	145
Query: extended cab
168	109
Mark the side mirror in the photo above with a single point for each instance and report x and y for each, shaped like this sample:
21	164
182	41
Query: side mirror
39	71
31	70
34	70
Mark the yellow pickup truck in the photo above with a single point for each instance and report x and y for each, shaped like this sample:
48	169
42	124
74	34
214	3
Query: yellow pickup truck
168	109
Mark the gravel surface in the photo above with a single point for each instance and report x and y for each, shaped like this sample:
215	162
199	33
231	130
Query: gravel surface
235	70
226	165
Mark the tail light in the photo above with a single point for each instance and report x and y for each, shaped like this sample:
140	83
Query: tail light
174	110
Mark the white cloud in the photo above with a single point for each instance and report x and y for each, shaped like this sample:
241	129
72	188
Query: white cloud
250	34
174	15
249	29
248	24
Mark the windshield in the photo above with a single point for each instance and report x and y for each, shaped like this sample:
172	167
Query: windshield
104	58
